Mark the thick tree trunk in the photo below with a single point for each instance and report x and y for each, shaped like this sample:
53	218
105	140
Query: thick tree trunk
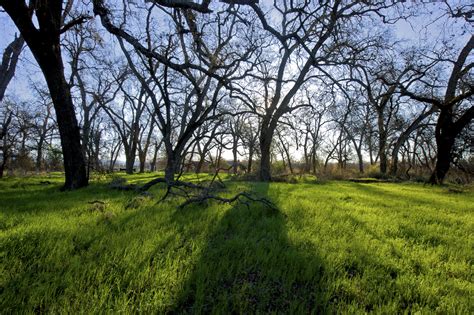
142	159
443	159
172	166
394	163
445	138
265	148
129	162
74	164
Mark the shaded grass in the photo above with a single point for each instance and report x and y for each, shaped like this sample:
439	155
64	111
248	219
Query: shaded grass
337	246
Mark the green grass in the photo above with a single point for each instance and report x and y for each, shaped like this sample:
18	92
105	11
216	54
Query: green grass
332	247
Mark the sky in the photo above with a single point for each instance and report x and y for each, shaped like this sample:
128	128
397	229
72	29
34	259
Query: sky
422	29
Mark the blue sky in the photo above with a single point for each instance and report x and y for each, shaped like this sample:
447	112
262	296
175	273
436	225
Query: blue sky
425	29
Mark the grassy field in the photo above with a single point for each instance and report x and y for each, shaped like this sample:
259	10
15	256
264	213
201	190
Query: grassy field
331	247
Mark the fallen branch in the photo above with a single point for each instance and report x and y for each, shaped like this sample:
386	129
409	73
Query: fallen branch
177	183
194	193
236	198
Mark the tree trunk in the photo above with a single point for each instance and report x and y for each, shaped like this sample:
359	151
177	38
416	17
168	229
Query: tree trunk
142	159
39	156
370	147
235	165
361	160
155	156
265	148
172	166
45	45
129	162
200	163
445	141
74	164
2	168
4	160
249	163
382	143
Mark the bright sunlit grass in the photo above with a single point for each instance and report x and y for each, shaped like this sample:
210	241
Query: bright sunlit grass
335	246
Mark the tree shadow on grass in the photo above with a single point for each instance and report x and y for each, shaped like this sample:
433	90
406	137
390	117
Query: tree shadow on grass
411	197
249	265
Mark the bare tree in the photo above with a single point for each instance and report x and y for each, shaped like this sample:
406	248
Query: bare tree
126	116
305	36
43	126
453	116
42	36
187	95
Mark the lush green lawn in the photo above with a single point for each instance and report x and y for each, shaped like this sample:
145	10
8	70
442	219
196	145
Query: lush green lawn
335	246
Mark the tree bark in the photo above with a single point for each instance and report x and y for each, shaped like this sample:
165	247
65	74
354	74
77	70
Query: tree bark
173	161
74	164
445	137
265	148
129	162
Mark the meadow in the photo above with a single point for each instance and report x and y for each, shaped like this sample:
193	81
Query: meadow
334	246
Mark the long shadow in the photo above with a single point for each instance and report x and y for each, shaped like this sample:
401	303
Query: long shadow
403	195
249	265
